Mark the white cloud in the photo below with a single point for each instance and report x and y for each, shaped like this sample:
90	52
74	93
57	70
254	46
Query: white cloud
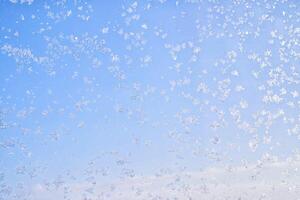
274	181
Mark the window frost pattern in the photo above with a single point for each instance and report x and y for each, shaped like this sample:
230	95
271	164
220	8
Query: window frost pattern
152	100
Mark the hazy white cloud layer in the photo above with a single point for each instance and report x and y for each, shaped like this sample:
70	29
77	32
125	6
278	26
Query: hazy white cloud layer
273	181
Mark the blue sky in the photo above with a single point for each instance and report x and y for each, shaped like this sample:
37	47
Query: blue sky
135	88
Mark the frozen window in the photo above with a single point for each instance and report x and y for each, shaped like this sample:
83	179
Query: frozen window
149	100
